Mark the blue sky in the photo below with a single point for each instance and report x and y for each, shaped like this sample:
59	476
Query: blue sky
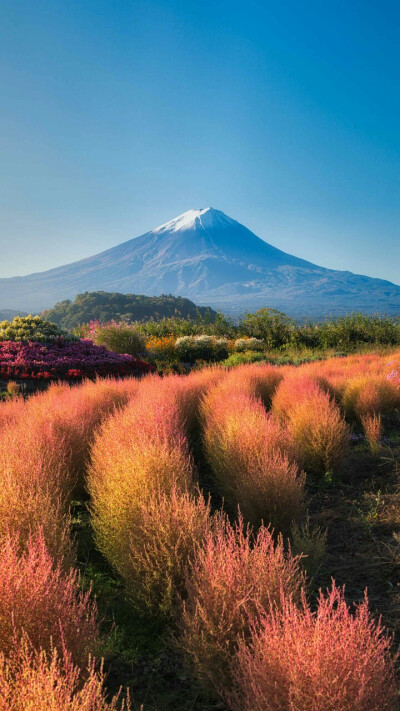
116	116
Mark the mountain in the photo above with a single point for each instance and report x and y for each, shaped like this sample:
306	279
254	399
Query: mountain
210	258
9	314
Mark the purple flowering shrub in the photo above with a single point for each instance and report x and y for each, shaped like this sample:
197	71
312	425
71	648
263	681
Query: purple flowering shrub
63	360
394	375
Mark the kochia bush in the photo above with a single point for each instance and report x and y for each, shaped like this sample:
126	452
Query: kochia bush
35	485
257	379
39	600
314	421
163	539
297	660
251	459
370	395
140	457
44	450
32	680
234	579
372	426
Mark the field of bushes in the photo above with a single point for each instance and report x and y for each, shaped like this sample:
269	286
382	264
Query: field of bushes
227	539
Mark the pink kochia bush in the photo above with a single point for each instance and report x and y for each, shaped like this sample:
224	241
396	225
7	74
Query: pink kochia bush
251	457
234	579
40	601
32	680
330	660
64	360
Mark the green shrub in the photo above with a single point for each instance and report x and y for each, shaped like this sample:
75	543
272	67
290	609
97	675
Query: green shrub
32	328
241	358
220	348
120	338
273	327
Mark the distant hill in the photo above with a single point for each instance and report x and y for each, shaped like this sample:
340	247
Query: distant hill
105	306
208	257
9	314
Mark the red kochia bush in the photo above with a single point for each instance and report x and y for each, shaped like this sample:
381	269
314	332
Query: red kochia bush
234	579
324	661
251	457
39	600
32	680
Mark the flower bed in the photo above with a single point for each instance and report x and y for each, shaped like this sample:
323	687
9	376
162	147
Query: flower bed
61	360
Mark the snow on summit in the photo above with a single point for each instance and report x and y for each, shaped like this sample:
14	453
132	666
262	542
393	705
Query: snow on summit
182	222
191	219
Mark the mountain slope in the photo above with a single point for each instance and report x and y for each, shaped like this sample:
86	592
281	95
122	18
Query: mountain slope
212	259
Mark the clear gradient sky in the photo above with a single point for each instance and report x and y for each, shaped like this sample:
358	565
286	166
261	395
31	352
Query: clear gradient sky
116	116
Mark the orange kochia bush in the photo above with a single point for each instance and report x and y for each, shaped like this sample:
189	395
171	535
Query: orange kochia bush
257	379
314	422
44	449
32	680
370	395
297	660
251	457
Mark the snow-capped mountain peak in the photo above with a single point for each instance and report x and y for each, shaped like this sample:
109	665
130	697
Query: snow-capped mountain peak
183	222
206	218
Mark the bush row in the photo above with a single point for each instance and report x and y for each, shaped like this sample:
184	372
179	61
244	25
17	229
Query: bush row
49	629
